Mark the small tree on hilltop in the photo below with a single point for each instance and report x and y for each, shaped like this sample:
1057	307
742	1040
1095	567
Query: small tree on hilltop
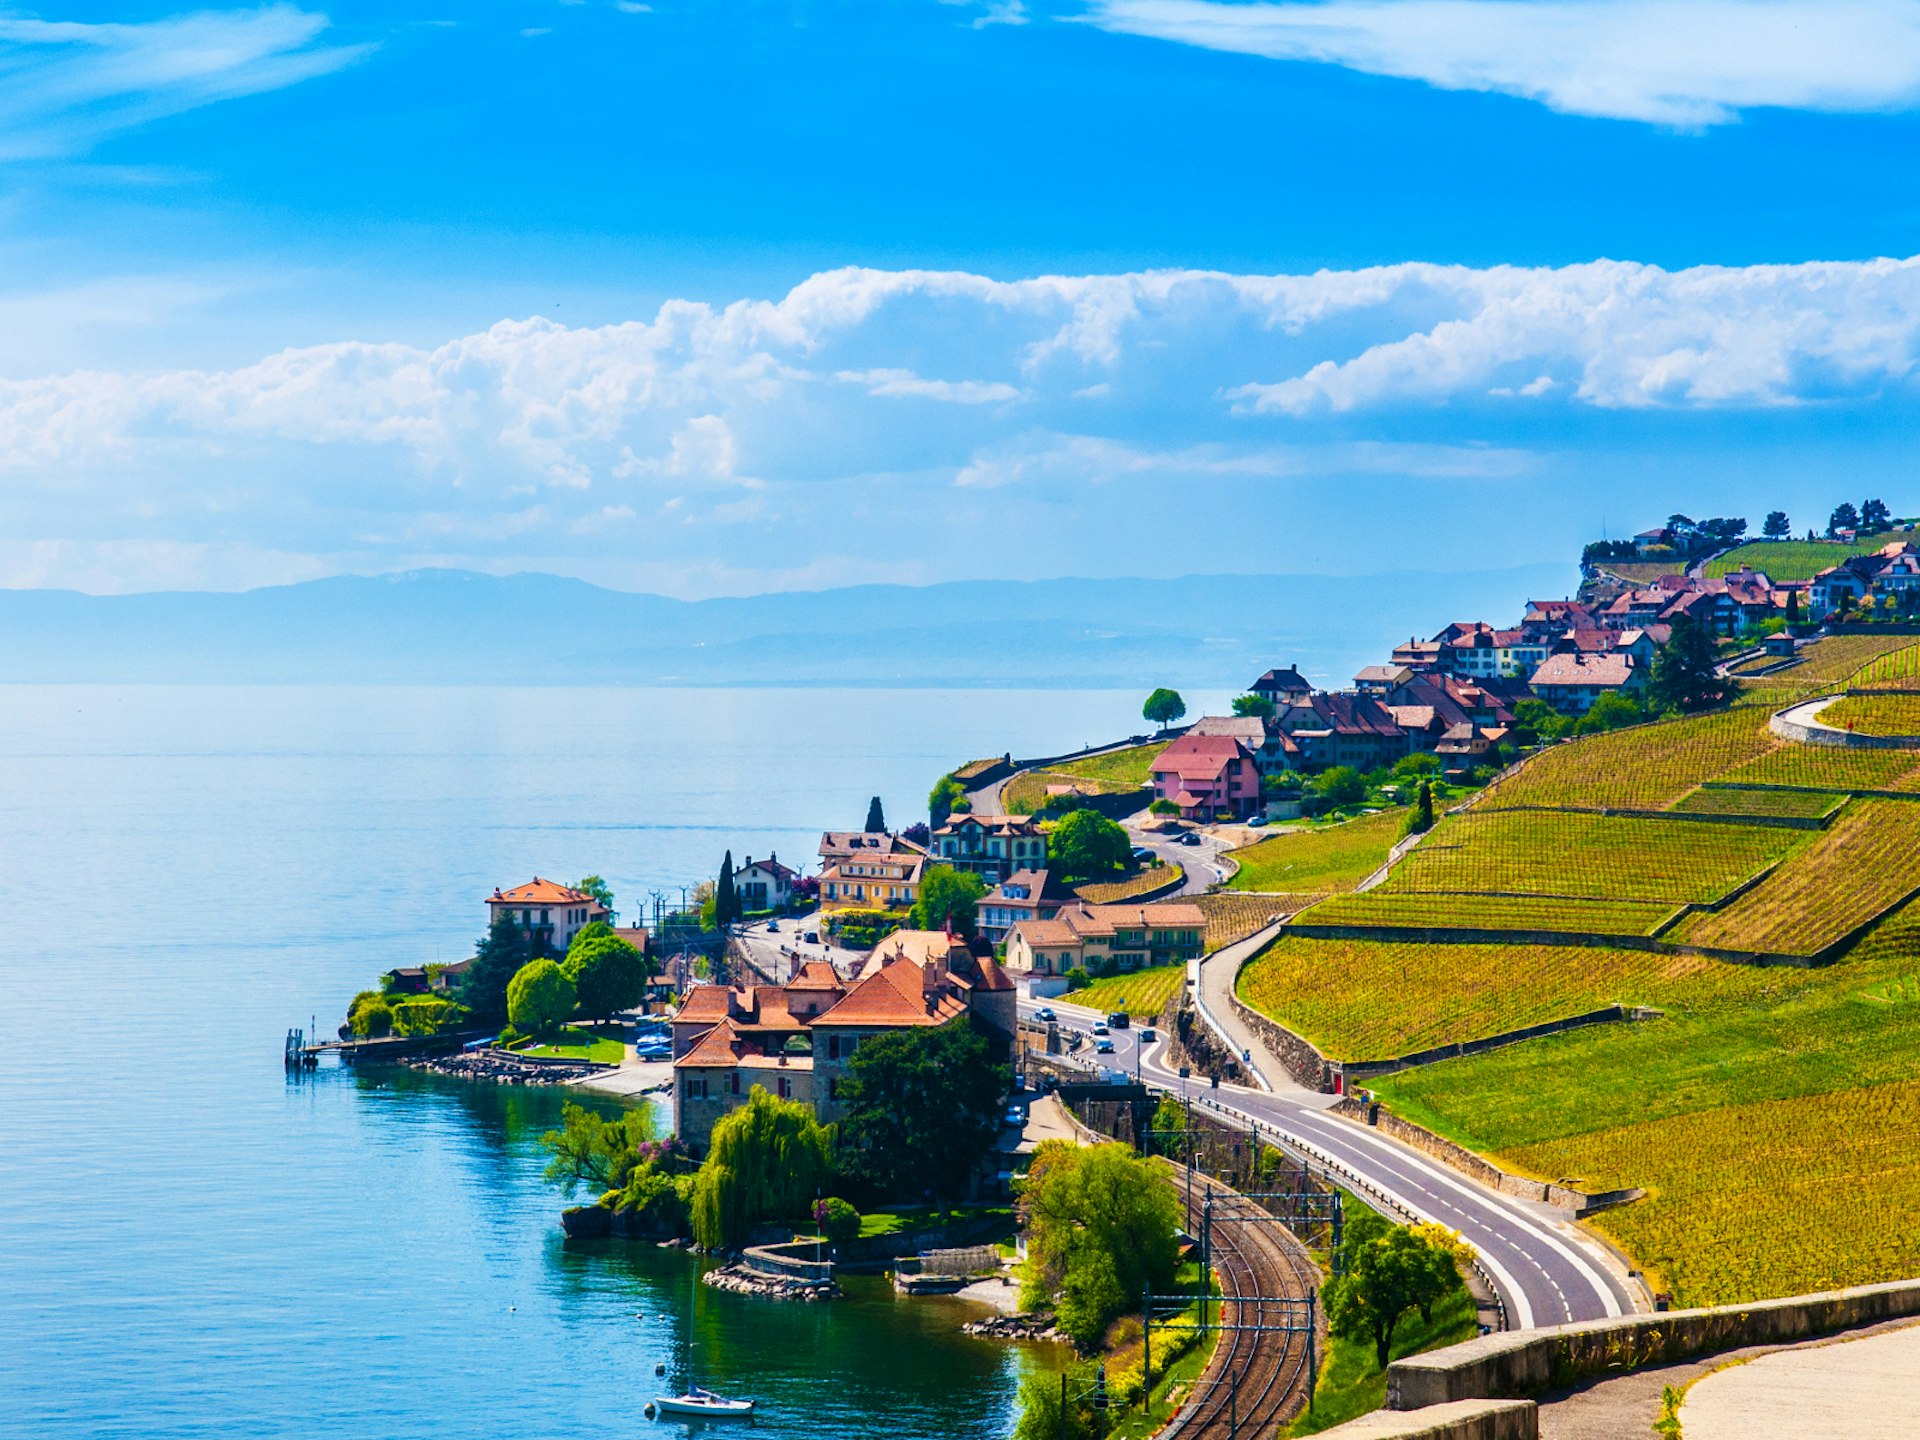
599	889
539	997
948	897
1086	844
1844	517
947	796
1259	707
1776	526
1163	707
1875	516
876	817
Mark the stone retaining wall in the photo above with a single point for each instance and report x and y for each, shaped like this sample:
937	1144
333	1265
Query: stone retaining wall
1303	1061
1576	1203
1462	1420
795	1260
1358	1070
1524	1362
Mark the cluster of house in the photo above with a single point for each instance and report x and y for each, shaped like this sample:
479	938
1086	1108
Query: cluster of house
797	1040
881	870
1891	573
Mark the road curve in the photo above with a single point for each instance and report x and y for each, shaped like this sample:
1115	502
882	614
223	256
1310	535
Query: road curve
1544	1270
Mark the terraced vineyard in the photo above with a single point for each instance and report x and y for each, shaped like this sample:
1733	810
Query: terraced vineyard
1897	669
1326	857
1863	864
1113	773
1111	892
1143	993
1828	767
1368	1000
1795	559
1232	917
1875	714
1490	912
1597	856
1647	767
1784	804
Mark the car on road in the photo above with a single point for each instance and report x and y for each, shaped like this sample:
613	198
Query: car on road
1100	1027
1016	1116
1103	1047
1119	1020
812	937
1190	838
1148	1035
773	926
1254	822
1141	852
1045	1012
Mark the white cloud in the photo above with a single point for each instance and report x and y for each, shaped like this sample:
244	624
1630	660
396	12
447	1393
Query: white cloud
69	84
771	415
1685	63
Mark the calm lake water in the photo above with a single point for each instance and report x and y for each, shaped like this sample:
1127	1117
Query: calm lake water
190	1245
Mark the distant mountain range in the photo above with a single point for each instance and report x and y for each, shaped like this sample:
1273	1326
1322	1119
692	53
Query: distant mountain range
458	627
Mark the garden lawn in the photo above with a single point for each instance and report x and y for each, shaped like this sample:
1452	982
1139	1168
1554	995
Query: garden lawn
1771	1125
1863	863
1327	857
1645	767
1490	912
1605	857
573	1043
1875	714
1143	993
1372	999
1793	559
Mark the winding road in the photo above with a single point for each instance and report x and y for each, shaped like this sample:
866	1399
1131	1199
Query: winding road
1544	1269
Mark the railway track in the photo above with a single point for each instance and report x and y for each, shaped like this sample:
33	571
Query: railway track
1256	1380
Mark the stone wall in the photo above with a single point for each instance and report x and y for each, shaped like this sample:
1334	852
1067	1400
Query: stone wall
1462	1420
795	1260
1304	1063
1524	1362
1358	1070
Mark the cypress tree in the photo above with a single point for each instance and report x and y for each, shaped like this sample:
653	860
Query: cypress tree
876	817
1425	822
726	901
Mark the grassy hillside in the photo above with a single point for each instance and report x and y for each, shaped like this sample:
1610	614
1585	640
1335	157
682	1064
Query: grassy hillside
1326	857
1108	774
1794	559
1769	1113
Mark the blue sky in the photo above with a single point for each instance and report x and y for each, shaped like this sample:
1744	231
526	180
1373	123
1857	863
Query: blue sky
725	297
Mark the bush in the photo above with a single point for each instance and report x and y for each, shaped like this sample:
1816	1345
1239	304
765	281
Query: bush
1078	979
1164	807
838	1220
1341	785
371	1019
539	996
425	1016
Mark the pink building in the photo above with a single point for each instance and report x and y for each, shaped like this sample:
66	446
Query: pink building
1210	777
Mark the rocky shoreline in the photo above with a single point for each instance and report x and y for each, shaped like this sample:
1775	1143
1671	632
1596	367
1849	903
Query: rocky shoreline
742	1281
504	1069
1015	1327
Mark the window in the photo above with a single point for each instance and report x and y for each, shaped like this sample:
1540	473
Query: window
695	1088
733	1081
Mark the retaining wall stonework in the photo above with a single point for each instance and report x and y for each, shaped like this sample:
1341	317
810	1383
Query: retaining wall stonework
1524	1362
1462	1420
1304	1063
1358	1070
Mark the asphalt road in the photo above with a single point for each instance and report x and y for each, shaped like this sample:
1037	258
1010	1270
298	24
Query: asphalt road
1201	862
1546	1273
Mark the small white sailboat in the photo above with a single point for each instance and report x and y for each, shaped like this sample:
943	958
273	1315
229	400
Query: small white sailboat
702	1402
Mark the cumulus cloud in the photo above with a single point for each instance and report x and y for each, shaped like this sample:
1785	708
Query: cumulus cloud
772	412
1685	63
69	84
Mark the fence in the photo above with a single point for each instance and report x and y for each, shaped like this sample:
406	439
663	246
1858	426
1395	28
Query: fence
966	1261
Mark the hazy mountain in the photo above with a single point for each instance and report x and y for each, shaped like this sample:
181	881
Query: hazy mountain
458	627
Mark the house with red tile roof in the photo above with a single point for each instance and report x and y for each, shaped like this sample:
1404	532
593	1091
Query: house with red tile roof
764	884
991	846
873	880
1571	683
796	1040
1103	940
551	912
1210	777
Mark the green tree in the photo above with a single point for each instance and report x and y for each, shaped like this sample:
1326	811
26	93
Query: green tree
1257	706
371	1016
599	889
590	1149
948	897
946	797
837	1219
726	899
1776	526
1421	820
502	951
1684	678
1537	720
1386	1270
1340	785
768	1160
922	1108
1844	517
1875	516
539	997
607	972
1044	1396
876	817
1610	711
1100	1226
1163	707
1086	844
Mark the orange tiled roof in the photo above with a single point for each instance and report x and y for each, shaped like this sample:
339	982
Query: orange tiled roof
542	892
893	995
816	975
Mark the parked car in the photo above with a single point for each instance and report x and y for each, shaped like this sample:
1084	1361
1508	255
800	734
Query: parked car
1045	1012
774	926
1119	1020
1254	822
1016	1116
1142	853
1190	838
812	937
1100	1027
1103	1047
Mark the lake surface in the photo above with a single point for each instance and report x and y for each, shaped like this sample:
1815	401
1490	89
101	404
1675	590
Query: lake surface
192	1245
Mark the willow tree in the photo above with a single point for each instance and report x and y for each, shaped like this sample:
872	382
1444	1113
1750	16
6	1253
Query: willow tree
768	1160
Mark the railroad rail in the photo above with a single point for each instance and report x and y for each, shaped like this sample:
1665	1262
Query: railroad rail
1261	1371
